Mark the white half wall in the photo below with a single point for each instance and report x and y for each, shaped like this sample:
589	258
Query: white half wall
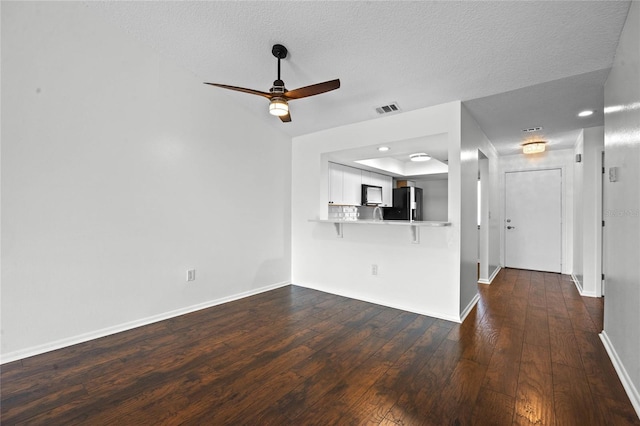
423	278
120	171
622	208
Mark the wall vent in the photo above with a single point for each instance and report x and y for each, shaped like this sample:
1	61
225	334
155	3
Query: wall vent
532	129
386	109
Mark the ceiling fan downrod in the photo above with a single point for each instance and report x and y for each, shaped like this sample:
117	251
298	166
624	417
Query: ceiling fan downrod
280	52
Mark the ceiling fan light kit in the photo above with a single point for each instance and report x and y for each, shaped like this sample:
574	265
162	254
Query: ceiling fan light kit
278	107
534	147
278	95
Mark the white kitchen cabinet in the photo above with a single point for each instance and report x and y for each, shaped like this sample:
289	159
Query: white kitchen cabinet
335	183
351	186
345	185
386	183
366	177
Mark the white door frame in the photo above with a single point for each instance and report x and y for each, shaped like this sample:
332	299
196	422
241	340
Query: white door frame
600	236
566	264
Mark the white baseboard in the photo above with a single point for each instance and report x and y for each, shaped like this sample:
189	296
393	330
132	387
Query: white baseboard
628	385
577	282
428	313
469	307
581	290
490	280
81	338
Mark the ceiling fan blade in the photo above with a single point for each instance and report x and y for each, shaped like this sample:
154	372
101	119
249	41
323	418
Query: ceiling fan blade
314	89
286	118
242	89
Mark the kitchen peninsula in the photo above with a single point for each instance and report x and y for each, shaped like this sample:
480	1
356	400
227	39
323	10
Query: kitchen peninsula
375	260
413	224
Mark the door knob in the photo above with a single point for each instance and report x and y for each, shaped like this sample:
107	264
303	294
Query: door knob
511	227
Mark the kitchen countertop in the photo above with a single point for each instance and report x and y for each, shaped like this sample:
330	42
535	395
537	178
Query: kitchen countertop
385	222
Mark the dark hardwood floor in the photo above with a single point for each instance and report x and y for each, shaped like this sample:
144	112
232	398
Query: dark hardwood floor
529	353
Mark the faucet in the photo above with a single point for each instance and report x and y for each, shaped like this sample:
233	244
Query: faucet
379	210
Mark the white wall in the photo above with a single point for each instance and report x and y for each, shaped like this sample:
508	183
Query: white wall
592	203
562	159
494	219
622	208
423	277
435	198
578	214
473	141
119	172
483	233
587	229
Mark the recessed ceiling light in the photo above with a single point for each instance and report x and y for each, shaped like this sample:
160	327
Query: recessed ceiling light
420	156
383	148
586	113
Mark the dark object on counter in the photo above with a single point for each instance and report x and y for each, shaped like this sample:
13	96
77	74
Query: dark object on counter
392	213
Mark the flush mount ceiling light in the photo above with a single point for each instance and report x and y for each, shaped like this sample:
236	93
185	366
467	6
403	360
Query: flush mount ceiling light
534	147
585	113
383	148
278	107
420	156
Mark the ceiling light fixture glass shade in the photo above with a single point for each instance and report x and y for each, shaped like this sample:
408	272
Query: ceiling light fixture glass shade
585	113
534	147
278	106
420	156
383	148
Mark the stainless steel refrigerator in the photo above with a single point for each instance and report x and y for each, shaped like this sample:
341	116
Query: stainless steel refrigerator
407	204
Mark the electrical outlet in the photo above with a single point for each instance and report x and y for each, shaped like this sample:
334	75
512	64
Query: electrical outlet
374	269
191	275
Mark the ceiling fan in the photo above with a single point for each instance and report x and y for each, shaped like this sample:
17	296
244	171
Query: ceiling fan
278	95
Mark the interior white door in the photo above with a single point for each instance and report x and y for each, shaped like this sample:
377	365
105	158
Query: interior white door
533	220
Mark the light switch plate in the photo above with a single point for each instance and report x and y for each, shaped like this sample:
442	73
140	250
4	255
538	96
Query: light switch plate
191	275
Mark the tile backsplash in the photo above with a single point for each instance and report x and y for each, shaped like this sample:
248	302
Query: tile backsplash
343	213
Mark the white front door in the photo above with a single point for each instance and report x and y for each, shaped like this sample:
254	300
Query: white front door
533	220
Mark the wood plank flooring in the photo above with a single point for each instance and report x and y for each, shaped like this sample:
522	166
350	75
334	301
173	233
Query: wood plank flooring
529	353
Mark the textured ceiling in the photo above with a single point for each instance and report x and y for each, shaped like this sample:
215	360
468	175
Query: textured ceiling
516	62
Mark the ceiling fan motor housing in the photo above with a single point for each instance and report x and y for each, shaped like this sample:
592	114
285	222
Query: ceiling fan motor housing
278	87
